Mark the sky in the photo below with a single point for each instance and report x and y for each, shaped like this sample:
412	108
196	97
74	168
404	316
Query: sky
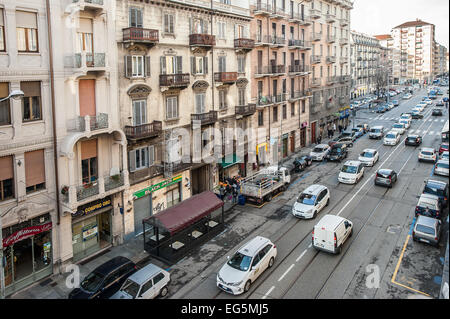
380	16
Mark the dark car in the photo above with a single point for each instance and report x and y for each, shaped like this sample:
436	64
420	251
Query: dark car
443	148
417	115
349	134
386	177
445	99
440	103
334	141
302	162
436	112
414	140
338	152
105	280
438	188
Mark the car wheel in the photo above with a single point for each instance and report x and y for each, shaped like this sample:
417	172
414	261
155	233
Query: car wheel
351	233
164	291
328	202
269	198
315	215
339	250
271	261
247	286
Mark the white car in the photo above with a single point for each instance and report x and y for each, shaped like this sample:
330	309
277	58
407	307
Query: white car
441	167
319	152
399	127
406	96
419	108
369	157
406	117
311	201
427	154
351	172
422	104
391	138
428	101
250	261
445	155
406	122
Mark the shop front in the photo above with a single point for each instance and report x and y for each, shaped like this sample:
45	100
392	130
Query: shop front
92	228
27	251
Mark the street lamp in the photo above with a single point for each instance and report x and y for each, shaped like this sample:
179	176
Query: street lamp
16	95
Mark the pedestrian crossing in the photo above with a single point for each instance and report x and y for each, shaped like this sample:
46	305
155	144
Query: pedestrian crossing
397	117
423	132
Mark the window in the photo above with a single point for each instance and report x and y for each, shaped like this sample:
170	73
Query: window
136	18
303	106
139	112
169	23
199	65
292	109
198	26
26	28
158	278
137	66
222	64
2	33
260	118
34	171
275	113
141	158
5	115
200	103
241	96
222	99
173	197
221	29
171	107
171	64
241	63
31	102
6	178
89	161
284	112
146	287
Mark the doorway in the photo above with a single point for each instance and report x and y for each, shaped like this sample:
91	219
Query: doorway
200	179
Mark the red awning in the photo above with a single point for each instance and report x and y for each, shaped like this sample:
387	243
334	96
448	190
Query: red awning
187	212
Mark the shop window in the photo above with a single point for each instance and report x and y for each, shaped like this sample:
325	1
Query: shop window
26	28
173	196
6	178
31	102
5	115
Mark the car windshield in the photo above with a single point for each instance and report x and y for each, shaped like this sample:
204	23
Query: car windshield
412	138
349	169
375	130
347	133
336	150
318	150
131	288
92	281
306	199
390	136
442	165
426	205
368	154
398	125
425	229
427	153
240	262
429	189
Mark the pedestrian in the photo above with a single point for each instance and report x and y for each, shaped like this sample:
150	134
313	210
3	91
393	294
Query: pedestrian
340	129
222	192
319	139
334	129
235	194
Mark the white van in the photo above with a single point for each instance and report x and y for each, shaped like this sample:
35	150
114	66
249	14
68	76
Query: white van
331	232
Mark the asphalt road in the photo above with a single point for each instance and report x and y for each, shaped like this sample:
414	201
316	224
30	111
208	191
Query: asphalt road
380	260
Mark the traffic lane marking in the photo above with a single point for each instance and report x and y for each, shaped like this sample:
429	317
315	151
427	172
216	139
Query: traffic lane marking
268	292
286	272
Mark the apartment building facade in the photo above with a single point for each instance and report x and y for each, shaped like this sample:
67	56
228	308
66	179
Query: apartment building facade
184	70
330	78
441	60
280	71
365	62
28	206
415	43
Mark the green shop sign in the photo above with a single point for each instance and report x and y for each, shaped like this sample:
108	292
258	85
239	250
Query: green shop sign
154	188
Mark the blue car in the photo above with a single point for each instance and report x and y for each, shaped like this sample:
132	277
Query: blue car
445	99
381	109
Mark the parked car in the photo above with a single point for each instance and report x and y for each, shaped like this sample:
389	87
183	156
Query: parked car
146	283
441	167
376	132
444	155
427	230
391	138
246	265
407	96
369	157
300	163
414	140
358	132
438	188
311	201
364	126
105	280
349	134
386	177
428	205
338	152
399	127
330	233
319	152
351	173
436	112
443	148
427	154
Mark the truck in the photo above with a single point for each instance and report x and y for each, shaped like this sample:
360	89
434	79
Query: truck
263	185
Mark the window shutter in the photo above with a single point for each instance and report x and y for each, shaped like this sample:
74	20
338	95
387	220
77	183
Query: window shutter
147	66
171	18
132	17
132	159
163	65
190	26
139	18
236	31
175	106
6	168
205	65
128	66
193	69
166	22
34	168
179	65
204	27
151	155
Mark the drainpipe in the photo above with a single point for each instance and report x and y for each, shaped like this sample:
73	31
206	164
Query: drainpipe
55	146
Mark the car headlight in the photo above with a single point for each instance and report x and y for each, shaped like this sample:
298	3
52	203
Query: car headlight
236	283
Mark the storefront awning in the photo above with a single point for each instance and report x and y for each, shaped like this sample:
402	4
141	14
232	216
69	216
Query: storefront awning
187	212
235	160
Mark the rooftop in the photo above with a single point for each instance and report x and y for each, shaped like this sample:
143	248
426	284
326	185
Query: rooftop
415	23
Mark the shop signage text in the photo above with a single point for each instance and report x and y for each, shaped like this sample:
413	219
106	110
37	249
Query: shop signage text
92	207
26	233
154	188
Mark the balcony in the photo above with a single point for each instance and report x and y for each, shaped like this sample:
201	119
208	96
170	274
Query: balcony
113	182
143	131
329	104
279	98
272	70
316	82
175	167
276	41
203	40
146	173
298	68
244	44
316	36
87	124
95	6
297	95
141	36
331	59
181	80
299	44
344	22
343	41
295	17
262	9
262	101
87	62
205	118
316	59
330	18
305	21
314	13
245	110
226	77
331	80
277	13
331	39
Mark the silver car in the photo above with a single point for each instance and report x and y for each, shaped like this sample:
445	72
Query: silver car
427	230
